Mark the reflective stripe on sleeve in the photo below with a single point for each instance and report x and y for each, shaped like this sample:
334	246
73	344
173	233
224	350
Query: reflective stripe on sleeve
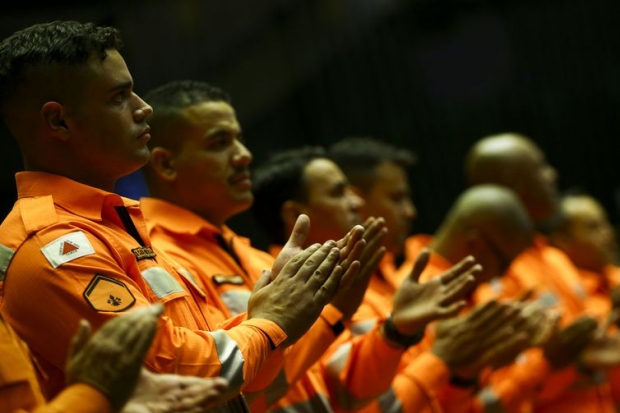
230	357
6	255
362	327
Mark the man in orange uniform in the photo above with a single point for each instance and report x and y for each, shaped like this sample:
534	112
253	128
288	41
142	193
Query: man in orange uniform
304	181
551	379
198	178
103	371
589	240
72	249
378	173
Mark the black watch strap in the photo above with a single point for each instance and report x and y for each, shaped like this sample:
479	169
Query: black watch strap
392	334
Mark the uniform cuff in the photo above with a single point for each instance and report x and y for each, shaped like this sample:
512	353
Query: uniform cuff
274	332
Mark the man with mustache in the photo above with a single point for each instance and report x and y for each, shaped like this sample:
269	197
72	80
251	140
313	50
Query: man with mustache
198	178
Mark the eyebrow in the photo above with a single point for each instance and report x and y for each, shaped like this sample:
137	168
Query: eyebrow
121	86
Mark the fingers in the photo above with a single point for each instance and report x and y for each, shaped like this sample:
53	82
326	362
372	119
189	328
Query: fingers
292	267
461	267
319	266
263	280
140	332
375	233
80	338
354	235
300	231
451	310
459	287
354	253
420	264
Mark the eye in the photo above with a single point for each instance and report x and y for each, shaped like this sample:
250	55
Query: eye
220	140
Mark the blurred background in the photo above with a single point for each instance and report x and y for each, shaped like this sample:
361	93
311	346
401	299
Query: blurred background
430	75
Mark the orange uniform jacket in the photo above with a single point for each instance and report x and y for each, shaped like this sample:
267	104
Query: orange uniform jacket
69	251
19	389
227	266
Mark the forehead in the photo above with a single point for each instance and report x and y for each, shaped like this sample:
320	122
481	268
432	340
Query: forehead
390	176
108	73
207	115
583	208
321	173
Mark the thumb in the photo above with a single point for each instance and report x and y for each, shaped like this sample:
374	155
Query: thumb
264	280
420	264
300	232
79	339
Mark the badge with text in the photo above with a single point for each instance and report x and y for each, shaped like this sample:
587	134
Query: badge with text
67	248
107	294
143	253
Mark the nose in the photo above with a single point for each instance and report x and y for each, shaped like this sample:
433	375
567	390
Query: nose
355	202
410	211
552	174
242	155
144	111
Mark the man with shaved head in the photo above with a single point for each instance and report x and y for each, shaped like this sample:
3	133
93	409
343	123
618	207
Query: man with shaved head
555	381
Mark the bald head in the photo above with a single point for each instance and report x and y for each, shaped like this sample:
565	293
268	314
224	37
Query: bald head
488	222
586	235
514	161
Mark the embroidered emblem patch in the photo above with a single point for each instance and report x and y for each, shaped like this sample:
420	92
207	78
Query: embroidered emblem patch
143	253
220	279
67	248
107	294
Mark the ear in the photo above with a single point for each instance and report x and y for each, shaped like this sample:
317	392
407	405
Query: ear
162	163
289	212
54	117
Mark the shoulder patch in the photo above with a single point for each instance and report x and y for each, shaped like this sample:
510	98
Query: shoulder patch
67	248
107	294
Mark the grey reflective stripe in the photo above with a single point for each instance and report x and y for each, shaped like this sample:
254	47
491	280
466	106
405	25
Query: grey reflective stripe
338	360
161	282
236	300
187	274
230	357
389	403
317	404
490	401
362	327
6	255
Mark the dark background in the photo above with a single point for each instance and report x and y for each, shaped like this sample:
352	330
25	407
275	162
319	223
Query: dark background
429	75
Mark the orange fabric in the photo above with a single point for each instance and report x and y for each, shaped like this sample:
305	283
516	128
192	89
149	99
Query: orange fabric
529	383
20	391
227	266
44	298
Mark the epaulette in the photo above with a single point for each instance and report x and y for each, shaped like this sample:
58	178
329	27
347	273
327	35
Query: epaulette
37	213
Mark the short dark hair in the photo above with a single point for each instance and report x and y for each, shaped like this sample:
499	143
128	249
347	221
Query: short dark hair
358	156
169	99
67	43
277	180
